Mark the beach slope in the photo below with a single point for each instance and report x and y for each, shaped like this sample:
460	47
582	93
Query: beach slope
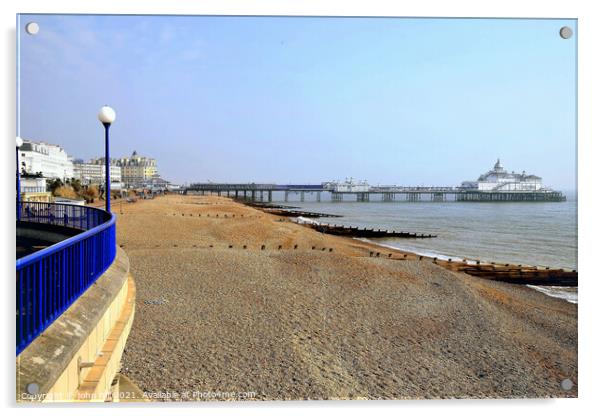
313	316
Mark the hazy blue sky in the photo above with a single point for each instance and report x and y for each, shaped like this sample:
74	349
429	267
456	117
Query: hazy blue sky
291	100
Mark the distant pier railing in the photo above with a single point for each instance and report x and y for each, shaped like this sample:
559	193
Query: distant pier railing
50	280
265	192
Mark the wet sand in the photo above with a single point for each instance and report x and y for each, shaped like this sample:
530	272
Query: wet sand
331	322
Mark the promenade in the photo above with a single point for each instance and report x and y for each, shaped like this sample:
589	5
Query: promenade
234	300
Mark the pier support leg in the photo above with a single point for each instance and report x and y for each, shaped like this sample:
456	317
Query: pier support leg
302	196
269	196
318	196
388	197
285	196
362	197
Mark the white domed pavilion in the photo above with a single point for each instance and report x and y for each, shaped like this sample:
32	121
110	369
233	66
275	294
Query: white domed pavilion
498	179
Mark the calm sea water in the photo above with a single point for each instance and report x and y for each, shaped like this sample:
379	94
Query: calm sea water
539	233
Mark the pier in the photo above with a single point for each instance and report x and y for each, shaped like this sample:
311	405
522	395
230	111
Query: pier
271	192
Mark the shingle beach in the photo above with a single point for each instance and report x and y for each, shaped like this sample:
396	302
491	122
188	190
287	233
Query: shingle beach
313	316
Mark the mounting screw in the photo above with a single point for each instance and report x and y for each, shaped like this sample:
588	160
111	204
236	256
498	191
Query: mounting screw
32	28
32	388
566	32
566	384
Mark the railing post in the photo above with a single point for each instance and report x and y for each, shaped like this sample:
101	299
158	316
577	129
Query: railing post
20	306
81	280
61	282
26	320
18	185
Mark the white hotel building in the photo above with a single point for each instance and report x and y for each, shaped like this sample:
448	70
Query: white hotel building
93	172
49	159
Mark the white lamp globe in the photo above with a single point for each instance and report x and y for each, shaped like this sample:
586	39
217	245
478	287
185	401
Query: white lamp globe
106	115
19	141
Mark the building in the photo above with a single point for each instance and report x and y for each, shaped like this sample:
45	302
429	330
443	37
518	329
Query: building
348	186
48	159
33	189
498	179
136	170
157	183
69	201
94	171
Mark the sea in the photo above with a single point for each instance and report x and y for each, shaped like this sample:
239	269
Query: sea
529	233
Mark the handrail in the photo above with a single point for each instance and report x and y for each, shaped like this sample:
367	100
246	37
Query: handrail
51	279
26	260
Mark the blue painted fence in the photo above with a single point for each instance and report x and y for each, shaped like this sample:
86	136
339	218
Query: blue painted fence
50	280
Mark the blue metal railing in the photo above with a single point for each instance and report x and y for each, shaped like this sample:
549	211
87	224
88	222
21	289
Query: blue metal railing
50	280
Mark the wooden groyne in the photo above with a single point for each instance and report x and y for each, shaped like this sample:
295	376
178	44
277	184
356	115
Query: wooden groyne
263	205
295	213
349	231
287	211
511	273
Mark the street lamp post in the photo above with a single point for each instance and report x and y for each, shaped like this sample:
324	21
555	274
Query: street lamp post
19	144
106	117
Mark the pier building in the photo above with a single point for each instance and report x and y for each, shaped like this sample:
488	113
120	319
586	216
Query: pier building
498	179
349	185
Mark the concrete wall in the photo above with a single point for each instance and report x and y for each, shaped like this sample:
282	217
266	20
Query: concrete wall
78	356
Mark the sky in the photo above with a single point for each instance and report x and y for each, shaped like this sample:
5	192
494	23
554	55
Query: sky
405	101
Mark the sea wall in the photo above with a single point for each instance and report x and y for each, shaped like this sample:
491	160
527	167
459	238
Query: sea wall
78	356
